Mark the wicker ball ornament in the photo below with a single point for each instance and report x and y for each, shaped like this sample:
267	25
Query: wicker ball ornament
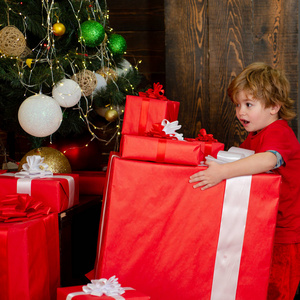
57	162
87	81
108	73
12	41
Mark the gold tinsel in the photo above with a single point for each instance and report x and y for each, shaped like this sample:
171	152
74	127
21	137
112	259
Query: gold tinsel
12	41
57	162
87	81
108	73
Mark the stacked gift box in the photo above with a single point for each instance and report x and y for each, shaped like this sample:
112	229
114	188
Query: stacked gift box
45	242
30	201
168	240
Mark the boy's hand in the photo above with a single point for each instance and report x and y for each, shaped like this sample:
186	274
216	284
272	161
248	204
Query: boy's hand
209	177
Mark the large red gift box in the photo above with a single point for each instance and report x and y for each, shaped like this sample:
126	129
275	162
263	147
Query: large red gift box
29	259
171	241
142	112
91	182
59	192
62	294
190	152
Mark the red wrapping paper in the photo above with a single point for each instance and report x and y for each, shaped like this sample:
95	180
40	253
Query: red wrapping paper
62	294
91	182
160	235
52	191
29	259
142	112
167	150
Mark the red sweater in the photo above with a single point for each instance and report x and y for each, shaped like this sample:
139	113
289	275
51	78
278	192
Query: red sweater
279	137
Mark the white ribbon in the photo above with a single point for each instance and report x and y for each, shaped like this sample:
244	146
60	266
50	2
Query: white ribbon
233	154
34	168
109	287
170	127
232	230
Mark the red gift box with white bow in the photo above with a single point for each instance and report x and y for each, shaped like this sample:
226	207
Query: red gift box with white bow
163	144
171	241
151	107
103	289
58	191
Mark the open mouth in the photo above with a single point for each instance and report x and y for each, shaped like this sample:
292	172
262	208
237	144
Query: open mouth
244	122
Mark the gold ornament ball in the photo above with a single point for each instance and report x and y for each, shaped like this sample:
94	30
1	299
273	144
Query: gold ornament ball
59	29
57	162
111	115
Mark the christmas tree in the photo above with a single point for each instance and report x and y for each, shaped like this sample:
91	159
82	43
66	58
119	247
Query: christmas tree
61	66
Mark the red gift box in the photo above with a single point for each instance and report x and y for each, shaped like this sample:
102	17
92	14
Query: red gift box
162	236
62	294
29	259
91	182
141	112
59	192
190	152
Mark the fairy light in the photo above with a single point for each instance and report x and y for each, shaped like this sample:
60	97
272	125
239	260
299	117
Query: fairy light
45	52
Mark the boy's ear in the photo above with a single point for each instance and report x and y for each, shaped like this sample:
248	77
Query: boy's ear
275	109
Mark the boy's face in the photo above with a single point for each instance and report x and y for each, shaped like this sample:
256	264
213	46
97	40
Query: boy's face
251	112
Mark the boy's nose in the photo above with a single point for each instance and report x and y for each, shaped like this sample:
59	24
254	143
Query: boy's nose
240	111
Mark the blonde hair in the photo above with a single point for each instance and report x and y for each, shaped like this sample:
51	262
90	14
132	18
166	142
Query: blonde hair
265	84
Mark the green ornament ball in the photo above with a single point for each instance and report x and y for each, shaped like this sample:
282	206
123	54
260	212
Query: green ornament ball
92	33
117	44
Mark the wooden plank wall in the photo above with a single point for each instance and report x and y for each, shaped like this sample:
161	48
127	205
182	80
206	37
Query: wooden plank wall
141	23
211	42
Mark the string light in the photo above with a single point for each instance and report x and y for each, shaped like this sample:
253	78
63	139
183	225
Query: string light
45	53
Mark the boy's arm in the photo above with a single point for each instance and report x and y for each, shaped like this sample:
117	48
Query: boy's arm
215	173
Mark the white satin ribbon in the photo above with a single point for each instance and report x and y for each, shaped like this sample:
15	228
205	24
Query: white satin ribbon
171	127
231	238
233	154
232	230
109	287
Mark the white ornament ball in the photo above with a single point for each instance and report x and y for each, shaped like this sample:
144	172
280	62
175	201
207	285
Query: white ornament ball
101	83
40	115
66	92
125	67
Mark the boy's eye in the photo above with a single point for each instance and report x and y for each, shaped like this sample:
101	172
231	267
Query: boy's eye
238	105
249	104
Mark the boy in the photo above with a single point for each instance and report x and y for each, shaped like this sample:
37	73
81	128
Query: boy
261	96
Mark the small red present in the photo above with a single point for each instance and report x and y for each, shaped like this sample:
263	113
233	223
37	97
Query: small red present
102	289
29	259
91	182
172	241
163	144
142	111
59	192
161	150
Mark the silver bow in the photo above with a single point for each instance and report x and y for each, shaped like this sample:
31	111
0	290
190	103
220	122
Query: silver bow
34	168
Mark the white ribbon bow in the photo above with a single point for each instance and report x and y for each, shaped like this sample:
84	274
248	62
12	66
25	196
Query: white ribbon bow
233	154
34	168
109	287
170	127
